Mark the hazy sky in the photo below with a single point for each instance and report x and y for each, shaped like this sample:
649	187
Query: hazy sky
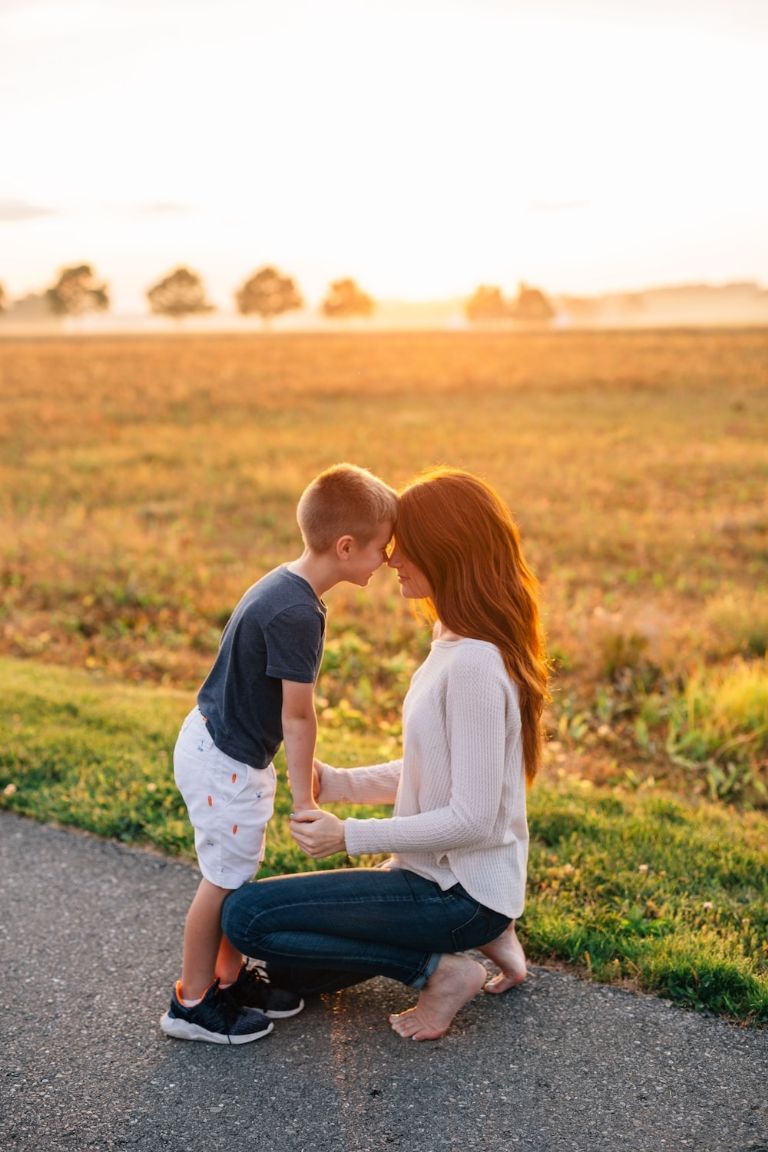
422	146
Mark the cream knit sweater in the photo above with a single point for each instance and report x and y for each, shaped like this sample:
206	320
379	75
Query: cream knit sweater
459	791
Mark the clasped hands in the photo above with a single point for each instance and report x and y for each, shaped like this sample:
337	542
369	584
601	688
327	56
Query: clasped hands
317	833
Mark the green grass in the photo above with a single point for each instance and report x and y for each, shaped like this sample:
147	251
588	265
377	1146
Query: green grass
648	888
641	887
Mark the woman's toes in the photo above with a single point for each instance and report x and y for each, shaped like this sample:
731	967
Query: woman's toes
502	983
410	1026
402	1023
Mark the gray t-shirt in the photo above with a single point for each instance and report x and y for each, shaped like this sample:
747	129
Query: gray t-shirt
275	633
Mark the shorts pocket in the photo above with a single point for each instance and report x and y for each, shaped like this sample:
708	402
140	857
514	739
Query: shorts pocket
227	779
194	743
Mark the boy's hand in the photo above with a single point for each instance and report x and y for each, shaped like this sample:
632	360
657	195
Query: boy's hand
306	803
318	833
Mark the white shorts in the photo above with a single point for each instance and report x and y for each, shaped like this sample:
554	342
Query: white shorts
229	804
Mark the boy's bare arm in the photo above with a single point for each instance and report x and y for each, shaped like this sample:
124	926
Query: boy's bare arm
300	735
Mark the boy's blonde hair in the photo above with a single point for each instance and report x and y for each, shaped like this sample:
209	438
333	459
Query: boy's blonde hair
344	501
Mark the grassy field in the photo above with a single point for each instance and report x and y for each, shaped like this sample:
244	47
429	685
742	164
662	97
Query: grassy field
145	482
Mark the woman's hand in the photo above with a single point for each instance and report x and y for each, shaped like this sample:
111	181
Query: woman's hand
317	777
318	833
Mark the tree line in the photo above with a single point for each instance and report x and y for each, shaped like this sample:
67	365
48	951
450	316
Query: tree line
268	293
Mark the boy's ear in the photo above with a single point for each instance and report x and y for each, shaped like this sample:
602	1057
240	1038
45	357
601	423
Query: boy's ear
344	546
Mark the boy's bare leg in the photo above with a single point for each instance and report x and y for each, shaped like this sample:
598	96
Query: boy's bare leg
228	962
455	981
506	951
206	952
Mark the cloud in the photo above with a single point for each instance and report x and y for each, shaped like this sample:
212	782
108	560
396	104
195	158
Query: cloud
15	210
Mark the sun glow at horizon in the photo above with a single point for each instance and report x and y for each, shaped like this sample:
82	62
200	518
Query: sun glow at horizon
422	149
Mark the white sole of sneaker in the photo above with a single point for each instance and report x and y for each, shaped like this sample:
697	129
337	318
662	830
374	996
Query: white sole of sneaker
283	1015
183	1030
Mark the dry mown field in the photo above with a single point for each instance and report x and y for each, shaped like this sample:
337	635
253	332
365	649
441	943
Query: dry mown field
145	482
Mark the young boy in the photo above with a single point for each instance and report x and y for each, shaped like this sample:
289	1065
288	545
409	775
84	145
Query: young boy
258	694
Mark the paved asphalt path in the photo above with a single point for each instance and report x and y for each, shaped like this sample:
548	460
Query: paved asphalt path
90	933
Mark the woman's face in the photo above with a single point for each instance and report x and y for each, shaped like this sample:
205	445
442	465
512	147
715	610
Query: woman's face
413	583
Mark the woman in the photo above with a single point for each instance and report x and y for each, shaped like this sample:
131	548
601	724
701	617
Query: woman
458	834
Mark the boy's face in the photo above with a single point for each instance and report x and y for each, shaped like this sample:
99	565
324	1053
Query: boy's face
366	558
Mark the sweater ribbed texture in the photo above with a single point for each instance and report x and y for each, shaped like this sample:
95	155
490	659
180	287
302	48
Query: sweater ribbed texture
459	791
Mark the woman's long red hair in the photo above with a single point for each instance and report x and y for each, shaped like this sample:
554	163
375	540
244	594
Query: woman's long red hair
458	531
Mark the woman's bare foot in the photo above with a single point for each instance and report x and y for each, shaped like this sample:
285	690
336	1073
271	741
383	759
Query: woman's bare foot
506	951
454	982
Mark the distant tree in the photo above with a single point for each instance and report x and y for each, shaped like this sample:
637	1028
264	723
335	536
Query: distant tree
581	309
268	293
532	306
486	303
180	293
631	302
76	291
345	298
29	308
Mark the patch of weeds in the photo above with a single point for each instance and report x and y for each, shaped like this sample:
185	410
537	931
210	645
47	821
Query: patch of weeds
718	730
738	625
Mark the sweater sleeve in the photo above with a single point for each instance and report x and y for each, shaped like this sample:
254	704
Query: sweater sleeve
376	784
476	735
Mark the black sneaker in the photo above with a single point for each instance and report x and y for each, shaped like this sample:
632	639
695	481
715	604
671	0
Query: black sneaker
252	989
218	1019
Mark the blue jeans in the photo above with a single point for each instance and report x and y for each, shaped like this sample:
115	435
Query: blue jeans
321	931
